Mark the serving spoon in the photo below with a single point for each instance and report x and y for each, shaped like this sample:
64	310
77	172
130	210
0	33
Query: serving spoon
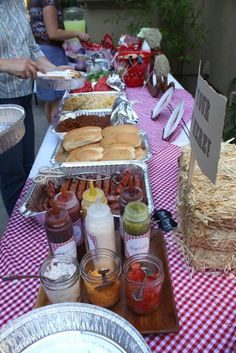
105	283
13	277
138	292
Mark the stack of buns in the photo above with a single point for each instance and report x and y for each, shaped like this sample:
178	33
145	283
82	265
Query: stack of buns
91	143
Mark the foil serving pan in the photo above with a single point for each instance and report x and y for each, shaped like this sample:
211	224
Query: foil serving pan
59	149
61	84
101	113
71	327
29	205
12	127
84	94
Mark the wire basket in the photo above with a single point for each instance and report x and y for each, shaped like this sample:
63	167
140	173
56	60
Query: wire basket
12	127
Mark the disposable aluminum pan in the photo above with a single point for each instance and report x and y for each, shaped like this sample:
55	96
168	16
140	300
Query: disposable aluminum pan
12	127
29	205
101	114
92	94
60	84
144	144
71	327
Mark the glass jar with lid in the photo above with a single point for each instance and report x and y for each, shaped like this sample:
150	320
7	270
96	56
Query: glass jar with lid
101	270
60	278
143	277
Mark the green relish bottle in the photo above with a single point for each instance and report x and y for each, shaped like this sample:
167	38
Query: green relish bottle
136	223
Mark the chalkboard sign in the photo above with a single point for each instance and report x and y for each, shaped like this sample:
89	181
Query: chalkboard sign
165	220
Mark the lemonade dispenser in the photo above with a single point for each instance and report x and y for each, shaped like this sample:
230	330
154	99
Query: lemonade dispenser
74	19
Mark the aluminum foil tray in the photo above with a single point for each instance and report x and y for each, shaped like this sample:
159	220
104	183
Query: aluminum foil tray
12	127
61	84
145	145
29	205
84	94
71	327
63	116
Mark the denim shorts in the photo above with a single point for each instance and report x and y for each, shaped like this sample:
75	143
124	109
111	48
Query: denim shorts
58	57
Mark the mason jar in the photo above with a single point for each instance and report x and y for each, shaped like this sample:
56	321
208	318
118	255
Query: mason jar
101	271
60	278
143	277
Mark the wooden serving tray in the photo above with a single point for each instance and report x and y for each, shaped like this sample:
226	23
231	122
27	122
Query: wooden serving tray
163	320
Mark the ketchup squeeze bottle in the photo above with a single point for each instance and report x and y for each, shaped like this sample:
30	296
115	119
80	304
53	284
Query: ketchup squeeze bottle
58	226
68	200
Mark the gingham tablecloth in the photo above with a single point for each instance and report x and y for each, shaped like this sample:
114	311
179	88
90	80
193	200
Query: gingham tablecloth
205	303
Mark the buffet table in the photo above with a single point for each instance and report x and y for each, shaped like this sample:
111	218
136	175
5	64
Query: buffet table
205	302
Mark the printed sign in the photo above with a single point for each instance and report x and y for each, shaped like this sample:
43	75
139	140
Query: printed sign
207	127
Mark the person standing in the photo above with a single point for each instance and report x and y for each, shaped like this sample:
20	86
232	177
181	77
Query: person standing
20	59
48	29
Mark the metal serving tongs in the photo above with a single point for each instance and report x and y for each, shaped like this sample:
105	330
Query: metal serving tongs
114	177
47	172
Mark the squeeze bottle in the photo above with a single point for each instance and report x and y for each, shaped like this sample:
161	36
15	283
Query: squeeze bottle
58	226
136	222
68	200
89	197
129	194
99	225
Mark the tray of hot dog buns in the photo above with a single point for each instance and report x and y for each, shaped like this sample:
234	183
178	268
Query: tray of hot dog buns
93	145
112	179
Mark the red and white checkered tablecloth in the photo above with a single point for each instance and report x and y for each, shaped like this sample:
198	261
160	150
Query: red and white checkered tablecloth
206	304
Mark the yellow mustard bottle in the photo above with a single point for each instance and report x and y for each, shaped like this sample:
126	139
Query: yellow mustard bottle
89	197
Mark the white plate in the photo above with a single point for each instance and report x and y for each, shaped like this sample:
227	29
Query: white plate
162	103
173	120
59	80
57	74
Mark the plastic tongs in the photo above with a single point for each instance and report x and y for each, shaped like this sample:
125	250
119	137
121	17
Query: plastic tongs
47	172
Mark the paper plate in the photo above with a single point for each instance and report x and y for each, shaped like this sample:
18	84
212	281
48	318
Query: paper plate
162	103
58	82
71	327
173	120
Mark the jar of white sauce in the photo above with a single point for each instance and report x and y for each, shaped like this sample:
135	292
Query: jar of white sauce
61	278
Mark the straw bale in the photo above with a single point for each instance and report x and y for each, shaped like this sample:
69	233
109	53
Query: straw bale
208	212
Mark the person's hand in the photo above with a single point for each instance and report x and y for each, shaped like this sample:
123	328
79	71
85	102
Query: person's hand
23	68
83	36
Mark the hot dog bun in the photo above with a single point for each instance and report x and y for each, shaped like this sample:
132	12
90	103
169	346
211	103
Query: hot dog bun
118	153
133	140
140	153
81	137
83	148
89	154
120	129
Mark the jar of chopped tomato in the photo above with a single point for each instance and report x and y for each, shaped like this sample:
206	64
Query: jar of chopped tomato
143	277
